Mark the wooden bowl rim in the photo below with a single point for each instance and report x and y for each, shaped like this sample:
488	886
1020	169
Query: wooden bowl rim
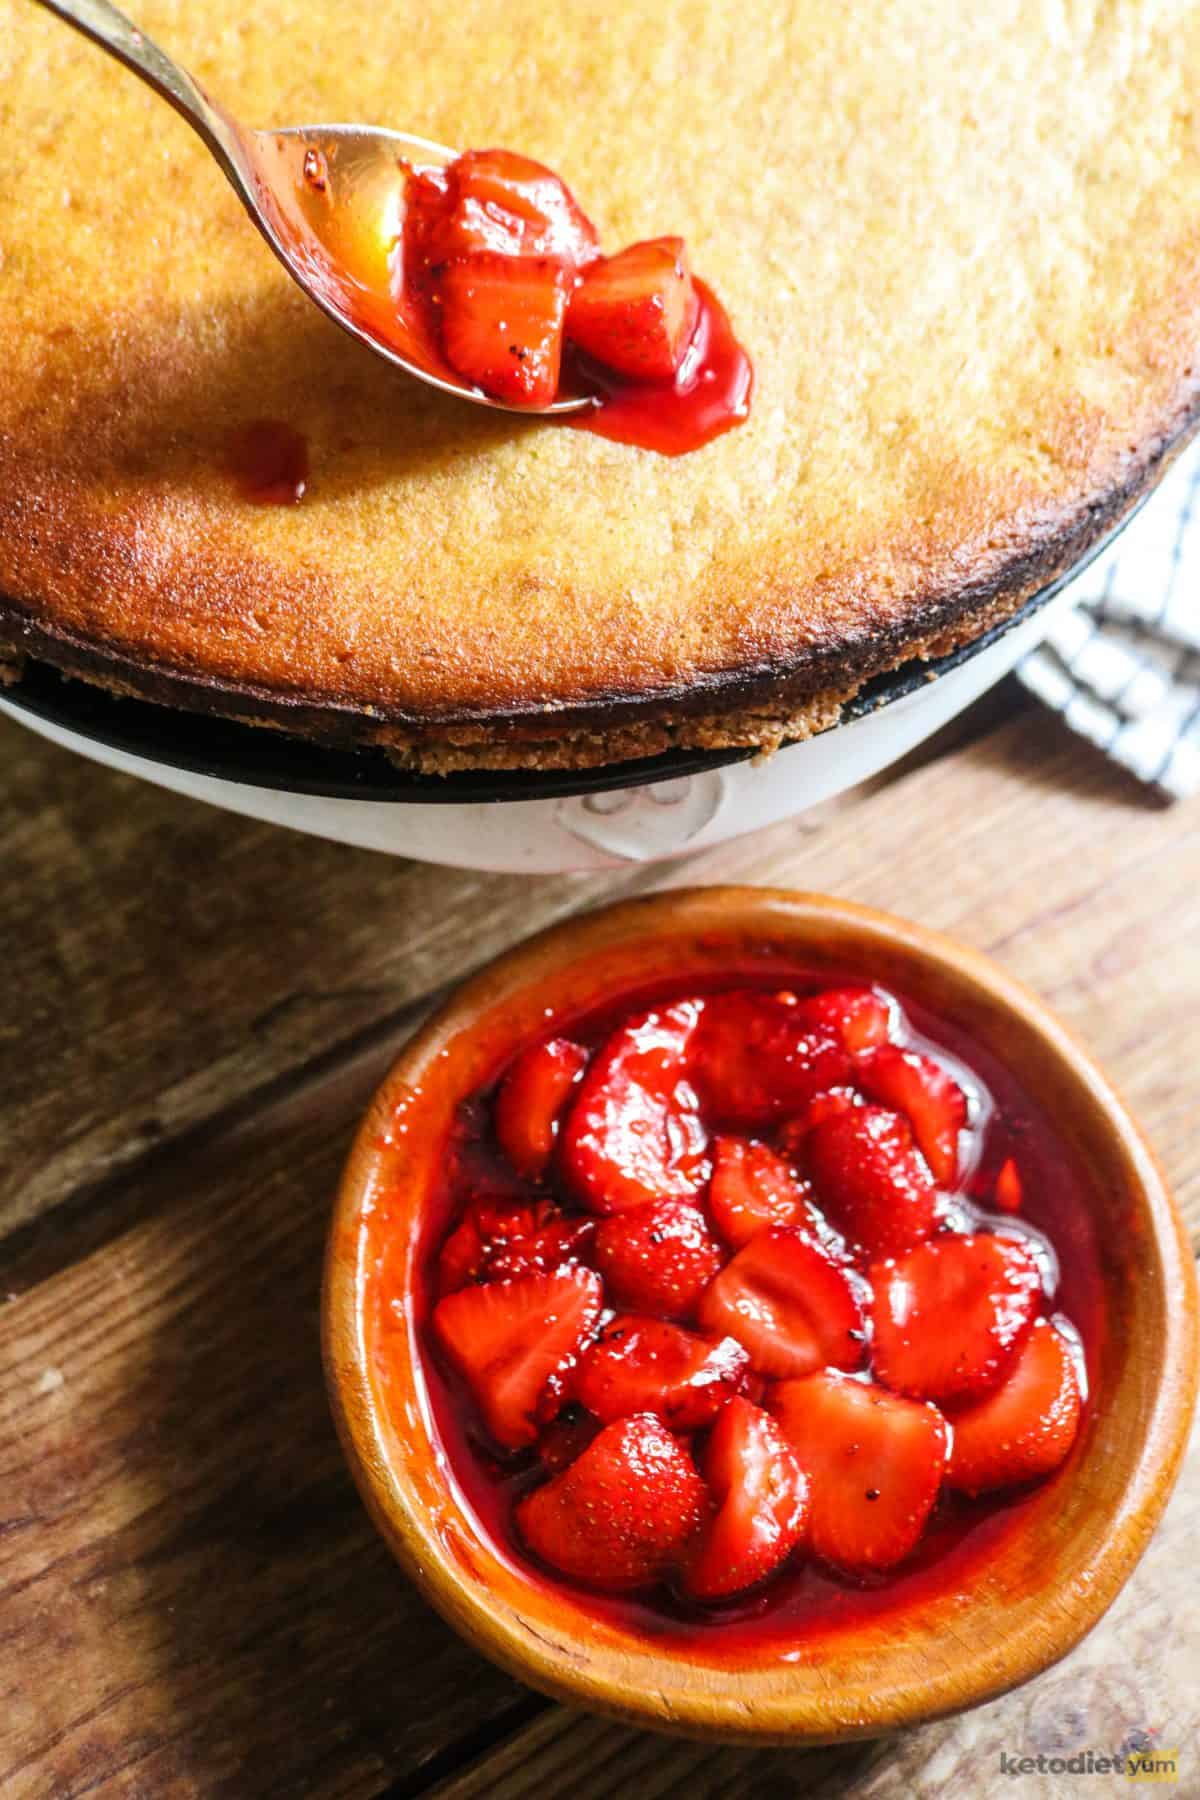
653	1689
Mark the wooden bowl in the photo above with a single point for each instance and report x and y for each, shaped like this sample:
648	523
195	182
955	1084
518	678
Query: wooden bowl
1039	1591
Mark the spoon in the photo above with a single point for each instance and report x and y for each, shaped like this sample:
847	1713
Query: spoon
329	199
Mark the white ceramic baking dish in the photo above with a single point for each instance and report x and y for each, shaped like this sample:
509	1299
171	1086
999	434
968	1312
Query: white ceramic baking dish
600	819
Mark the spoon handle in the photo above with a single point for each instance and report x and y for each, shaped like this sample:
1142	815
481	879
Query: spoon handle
102	22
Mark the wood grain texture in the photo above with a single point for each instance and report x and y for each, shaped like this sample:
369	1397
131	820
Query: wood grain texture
166	960
171	965
1136	1671
191	1600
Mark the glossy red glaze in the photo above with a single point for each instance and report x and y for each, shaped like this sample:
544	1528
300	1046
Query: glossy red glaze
381	273
806	1600
709	395
816	1658
269	463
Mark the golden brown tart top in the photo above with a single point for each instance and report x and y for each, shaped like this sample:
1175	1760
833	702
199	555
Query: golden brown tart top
961	244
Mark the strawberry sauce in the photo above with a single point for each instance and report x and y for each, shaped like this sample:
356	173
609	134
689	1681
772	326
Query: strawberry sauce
1007	1173
269	463
486	273
709	394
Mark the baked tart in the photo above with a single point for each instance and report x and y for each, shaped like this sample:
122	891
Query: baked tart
960	245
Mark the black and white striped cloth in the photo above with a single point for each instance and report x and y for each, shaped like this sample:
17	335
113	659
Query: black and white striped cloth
1122	664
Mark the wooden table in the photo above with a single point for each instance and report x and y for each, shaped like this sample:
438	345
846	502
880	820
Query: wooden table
191	1599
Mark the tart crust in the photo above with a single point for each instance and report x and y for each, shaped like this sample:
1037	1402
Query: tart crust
973	310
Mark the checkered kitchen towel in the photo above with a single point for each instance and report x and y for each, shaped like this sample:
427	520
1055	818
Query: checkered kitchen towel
1122	665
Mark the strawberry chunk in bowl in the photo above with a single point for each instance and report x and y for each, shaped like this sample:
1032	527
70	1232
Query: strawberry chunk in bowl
753	1186
759	1504
635	1134
791	1305
645	1365
874	1462
949	1316
735	1296
624	1512
531	1101
660	1258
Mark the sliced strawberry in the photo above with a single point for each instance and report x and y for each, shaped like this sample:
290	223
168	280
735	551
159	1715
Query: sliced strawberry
645	1365
874	1461
657	1258
636	312
502	324
624	1513
949	1315
426	193
530	1099
634	1133
871	1180
462	1257
756	1059
760	1494
566	1437
793	1133
1008	1196
502	1237
561	1238
498	201
789	1303
860	1017
930	1098
1027	1425
752	1188
426	198
508	1338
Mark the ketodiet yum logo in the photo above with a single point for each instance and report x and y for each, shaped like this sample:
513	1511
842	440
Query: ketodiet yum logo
1140	1758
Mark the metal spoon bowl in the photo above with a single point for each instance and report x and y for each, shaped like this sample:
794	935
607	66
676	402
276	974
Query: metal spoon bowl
327	198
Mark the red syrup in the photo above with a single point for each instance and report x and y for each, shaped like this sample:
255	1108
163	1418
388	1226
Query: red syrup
269	463
709	395
808	1600
362	253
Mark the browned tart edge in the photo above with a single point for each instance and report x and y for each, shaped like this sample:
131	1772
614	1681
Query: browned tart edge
783	699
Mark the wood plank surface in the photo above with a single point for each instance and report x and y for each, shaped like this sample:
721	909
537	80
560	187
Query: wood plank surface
1137	1671
191	1600
171	964
168	963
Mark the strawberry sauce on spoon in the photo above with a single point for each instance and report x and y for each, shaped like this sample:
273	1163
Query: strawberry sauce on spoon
488	271
708	394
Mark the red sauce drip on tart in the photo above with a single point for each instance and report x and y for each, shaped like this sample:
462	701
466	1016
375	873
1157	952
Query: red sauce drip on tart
269	463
